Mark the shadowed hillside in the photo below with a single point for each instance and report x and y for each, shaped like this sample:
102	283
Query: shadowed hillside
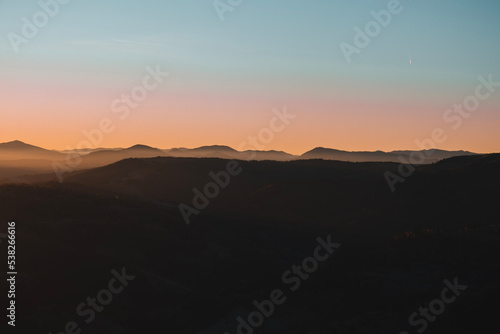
397	248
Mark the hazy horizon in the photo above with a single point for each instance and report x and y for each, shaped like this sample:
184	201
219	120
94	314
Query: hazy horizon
251	149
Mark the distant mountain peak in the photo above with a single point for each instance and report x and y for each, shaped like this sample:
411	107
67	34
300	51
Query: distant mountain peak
215	147
19	145
142	147
15	142
322	149
430	156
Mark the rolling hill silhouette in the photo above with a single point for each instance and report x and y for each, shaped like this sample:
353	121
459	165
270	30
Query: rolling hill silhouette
21	162
430	156
17	150
396	247
105	157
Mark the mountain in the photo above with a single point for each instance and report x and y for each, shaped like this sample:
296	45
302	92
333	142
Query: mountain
106	157
143	148
219	148
17	150
214	151
426	156
19	162
226	152
332	154
18	159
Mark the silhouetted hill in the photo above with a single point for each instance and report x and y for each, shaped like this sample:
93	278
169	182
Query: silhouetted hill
270	186
226	152
106	157
172	179
214	148
429	156
20	162
18	159
397	248
332	154
215	151
144	148
17	150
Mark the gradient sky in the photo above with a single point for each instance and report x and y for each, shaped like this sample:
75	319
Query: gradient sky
227	76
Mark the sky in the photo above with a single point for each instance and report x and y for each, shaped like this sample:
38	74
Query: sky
227	76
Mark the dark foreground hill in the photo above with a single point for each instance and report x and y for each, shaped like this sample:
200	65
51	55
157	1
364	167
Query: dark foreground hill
396	248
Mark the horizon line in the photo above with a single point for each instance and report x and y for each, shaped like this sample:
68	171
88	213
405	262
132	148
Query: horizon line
257	150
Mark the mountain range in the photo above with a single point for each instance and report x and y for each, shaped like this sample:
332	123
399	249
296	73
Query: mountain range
17	150
20	159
